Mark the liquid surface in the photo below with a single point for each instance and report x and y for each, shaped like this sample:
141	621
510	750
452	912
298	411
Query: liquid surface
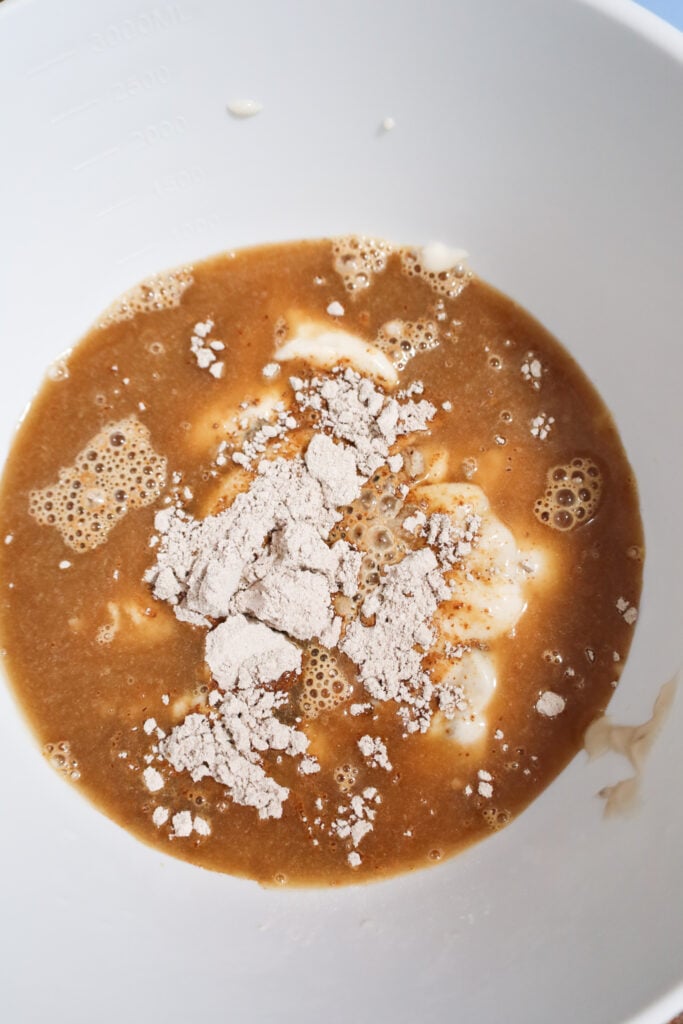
181	377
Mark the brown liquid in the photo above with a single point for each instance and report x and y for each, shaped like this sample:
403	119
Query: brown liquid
93	696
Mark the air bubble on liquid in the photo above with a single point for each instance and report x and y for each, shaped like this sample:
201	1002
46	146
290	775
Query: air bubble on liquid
58	370
86	501
381	540
469	467
280	331
59	756
448	283
495	818
323	683
162	291
357	259
345	776
401	340
572	495
105	634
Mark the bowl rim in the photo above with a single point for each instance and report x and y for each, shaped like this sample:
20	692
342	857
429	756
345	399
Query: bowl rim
668	39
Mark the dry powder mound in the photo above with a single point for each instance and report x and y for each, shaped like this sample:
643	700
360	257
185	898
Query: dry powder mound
118	470
387	653
452	536
550	704
263	572
334	467
240	652
354	409
201	565
227	746
295	601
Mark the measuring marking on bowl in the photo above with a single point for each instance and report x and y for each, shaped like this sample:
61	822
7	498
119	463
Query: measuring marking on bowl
106	210
52	62
142	25
112	151
74	111
135	253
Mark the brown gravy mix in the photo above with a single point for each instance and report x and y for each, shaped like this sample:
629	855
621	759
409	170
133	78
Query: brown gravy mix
92	655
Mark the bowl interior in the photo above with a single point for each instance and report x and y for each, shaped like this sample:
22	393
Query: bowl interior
545	139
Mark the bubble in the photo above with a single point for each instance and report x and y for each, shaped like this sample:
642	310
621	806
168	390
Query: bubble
59	756
163	291
495	818
448	283
58	370
106	480
105	634
389	505
572	495
323	683
563	520
435	854
381	539
553	657
357	259
401	340
345	776
469	467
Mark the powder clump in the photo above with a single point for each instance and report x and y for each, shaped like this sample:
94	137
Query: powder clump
263	574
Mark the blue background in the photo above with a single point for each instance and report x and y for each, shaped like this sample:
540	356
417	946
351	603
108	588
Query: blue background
670	10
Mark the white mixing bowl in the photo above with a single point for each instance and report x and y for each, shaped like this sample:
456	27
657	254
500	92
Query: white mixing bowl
544	136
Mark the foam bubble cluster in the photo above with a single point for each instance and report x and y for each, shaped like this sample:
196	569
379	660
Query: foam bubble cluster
118	470
448	283
162	291
324	684
373	527
495	818
403	339
345	776
357	259
60	757
572	495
